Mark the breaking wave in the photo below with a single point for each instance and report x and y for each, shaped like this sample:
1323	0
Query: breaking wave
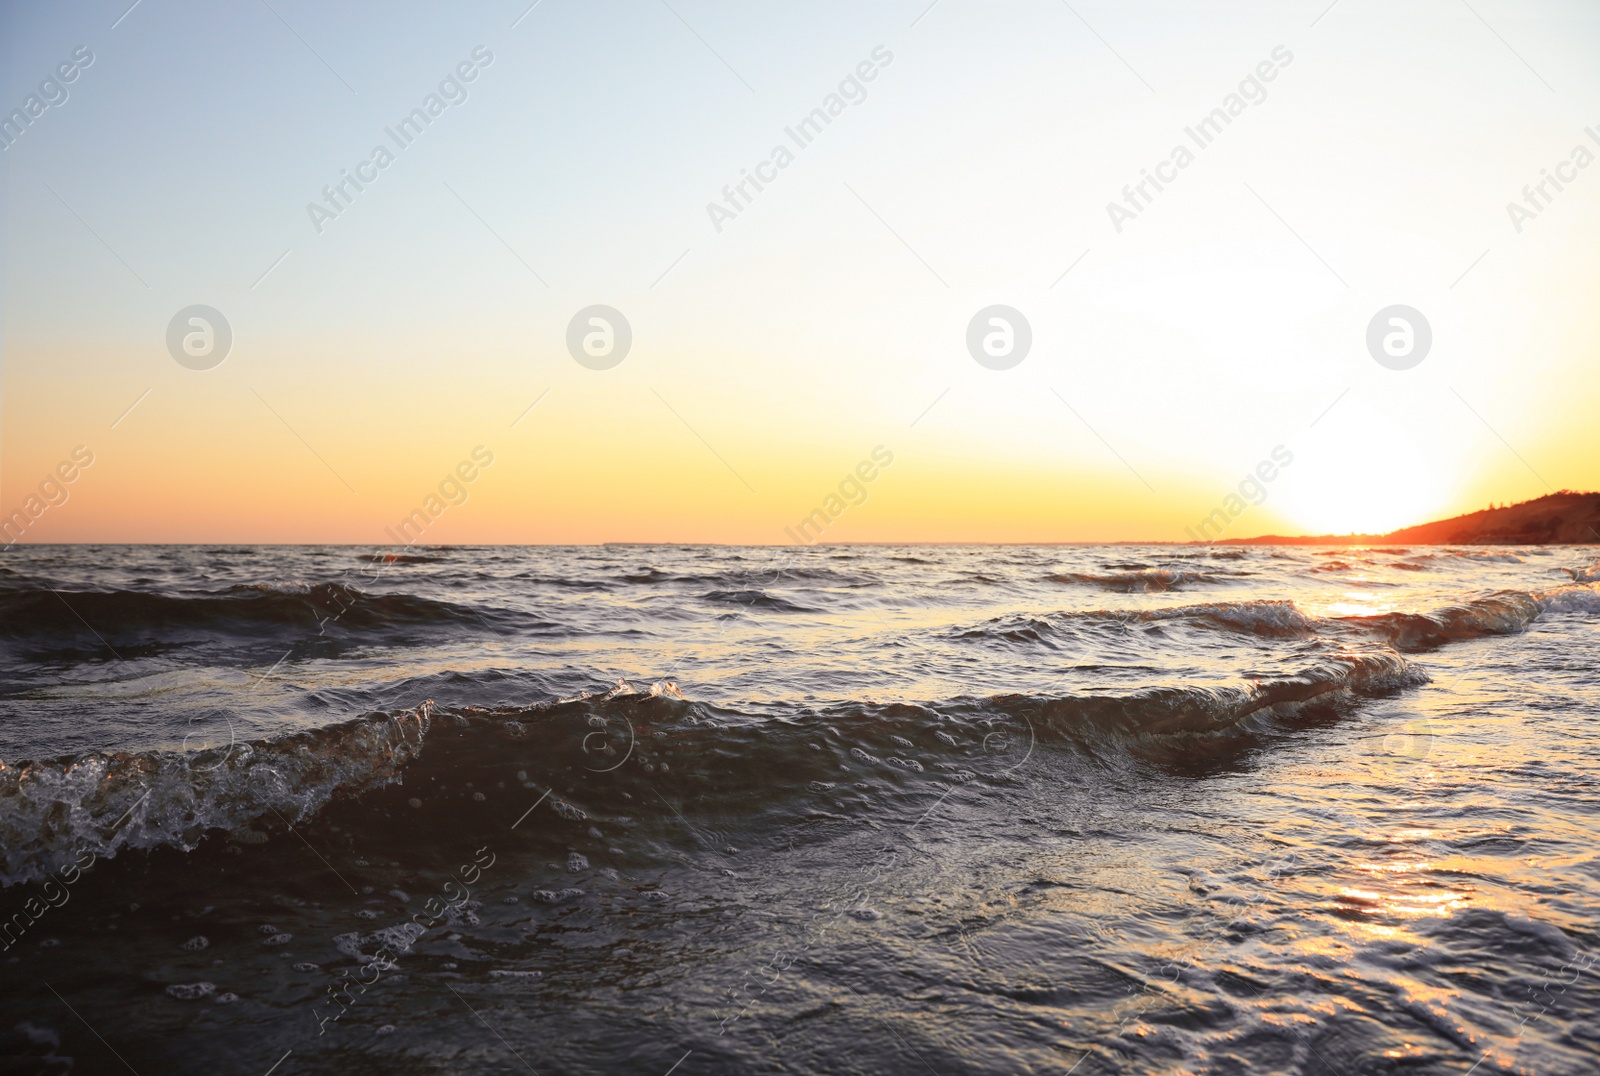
1502	613
52	812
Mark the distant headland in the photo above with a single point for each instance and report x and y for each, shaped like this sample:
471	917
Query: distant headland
1564	518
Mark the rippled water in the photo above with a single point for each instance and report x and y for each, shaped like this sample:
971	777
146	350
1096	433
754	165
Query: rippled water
834	809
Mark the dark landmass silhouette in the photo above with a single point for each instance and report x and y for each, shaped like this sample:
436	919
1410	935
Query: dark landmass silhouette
1564	518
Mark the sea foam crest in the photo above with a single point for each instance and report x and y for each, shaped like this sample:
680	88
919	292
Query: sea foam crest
54	811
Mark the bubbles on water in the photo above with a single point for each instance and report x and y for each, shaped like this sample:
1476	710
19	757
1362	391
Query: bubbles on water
577	862
397	938
463	912
191	991
545	896
568	811
196	943
349	943
278	939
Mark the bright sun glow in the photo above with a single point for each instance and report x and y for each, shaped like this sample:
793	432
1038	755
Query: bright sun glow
1364	474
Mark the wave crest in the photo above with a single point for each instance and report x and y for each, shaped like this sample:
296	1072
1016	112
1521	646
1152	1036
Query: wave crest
51	812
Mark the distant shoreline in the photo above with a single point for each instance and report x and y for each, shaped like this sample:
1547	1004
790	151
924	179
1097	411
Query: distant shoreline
1564	518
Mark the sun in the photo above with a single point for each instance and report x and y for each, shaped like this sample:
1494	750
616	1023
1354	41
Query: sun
1367	474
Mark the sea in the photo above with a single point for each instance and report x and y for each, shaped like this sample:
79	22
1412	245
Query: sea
639	809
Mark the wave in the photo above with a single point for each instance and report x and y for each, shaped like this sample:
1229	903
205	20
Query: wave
101	803
1502	613
1262	618
1149	580
782	567
1169	723
646	744
30	612
759	599
358	777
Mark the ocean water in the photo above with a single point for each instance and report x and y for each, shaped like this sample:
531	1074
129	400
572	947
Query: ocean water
637	809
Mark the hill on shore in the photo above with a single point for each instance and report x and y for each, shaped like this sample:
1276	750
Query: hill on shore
1564	518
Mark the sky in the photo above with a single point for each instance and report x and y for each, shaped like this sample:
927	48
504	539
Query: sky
786	340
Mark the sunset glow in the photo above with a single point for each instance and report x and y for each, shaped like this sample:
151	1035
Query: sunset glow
382	328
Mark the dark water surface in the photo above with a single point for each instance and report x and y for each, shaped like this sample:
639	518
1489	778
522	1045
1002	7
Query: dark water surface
837	809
